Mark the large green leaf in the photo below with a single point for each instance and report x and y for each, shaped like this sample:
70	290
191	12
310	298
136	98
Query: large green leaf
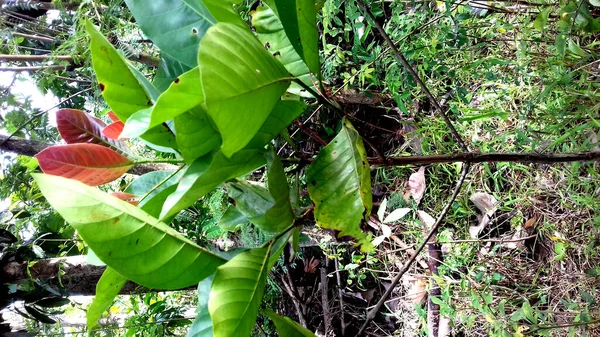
153	188
269	209
232	219
270	32
107	289
299	19
236	293
207	173
223	11
134	244
339	183
242	83
202	326
168	70
288	328
125	90
175	26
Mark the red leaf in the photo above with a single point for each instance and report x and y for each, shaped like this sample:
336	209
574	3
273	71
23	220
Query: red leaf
113	131
130	198
91	164
113	117
75	126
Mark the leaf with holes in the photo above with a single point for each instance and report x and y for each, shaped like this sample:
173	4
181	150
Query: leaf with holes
108	287
339	183
180	34
299	19
125	90
130	198
223	11
134	244
237	292
91	164
288	328
75	126
271	34
242	83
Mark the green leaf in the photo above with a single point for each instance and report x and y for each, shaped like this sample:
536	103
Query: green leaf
202	326
575	49
271	34
107	289
231	219
147	183
195	135
269	209
175	26
120	88
339	183
242	83
123	88
207	173
542	18
236	293
299	19
134	244
595	3
183	94
223	11
168	70
560	44
284	113
287	327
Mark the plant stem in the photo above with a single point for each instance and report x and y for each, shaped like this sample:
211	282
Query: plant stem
373	312
414	74
320	98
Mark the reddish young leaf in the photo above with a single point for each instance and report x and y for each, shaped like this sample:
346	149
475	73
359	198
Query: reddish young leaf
113	131
75	126
91	164
130	198
113	117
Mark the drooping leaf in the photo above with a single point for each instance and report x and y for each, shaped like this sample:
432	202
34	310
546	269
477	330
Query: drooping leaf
270	32
222	11
125	90
38	315
299	19
113	130
205	174
231	219
168	70
287	327
178	36
236	293
108	287
75	126
339	183
134	244
52	302
202	326
137	124
242	83
91	164
542	18
269	209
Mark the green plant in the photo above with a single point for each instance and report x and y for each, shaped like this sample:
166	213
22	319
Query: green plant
216	68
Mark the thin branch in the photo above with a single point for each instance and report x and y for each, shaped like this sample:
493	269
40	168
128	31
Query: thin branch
35	37
33	58
414	74
373	312
36	68
36	115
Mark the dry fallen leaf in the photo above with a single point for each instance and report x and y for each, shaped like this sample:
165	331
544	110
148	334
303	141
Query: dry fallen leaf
426	219
396	215
381	210
474	231
486	203
417	290
416	183
529	223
